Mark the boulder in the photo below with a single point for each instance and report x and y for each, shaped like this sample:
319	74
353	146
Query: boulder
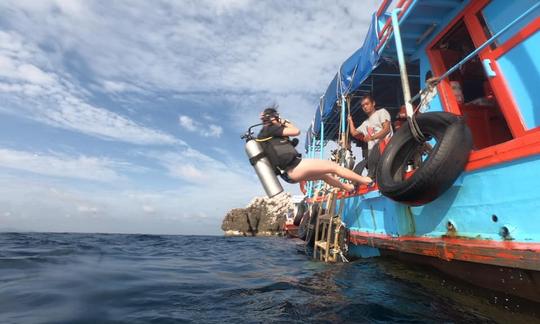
261	217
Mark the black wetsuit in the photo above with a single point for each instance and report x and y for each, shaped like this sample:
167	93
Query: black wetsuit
279	150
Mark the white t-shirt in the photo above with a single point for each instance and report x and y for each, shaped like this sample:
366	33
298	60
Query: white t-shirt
373	125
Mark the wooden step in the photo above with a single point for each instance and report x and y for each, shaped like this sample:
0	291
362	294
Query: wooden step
324	218
323	245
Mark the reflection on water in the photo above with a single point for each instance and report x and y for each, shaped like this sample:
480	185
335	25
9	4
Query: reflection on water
145	278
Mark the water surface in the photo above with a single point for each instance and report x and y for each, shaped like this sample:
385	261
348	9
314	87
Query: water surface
55	278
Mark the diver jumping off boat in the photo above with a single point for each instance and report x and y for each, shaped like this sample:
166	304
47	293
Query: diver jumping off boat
288	163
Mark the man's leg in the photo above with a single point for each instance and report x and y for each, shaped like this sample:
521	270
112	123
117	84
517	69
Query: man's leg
373	160
360	166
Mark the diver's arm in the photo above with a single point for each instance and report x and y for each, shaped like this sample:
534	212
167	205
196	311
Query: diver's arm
289	129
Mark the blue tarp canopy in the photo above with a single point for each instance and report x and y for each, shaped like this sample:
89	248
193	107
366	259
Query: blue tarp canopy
352	73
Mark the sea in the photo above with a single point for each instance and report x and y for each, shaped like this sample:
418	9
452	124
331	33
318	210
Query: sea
117	278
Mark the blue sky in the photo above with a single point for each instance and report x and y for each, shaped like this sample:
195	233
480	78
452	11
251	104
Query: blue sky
125	116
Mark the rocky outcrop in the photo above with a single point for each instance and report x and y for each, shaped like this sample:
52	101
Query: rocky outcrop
261	217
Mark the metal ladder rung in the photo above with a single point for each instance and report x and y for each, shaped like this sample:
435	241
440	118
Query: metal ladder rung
322	244
324	218
327	233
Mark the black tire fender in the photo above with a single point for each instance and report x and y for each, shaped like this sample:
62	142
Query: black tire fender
437	174
303	226
299	213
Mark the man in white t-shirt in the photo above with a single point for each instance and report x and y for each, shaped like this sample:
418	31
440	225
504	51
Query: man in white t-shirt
376	127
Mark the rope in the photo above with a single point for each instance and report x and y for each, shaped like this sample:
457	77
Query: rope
347	131
415	130
340	121
424	95
343	258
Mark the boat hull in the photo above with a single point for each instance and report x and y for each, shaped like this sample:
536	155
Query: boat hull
511	281
487	222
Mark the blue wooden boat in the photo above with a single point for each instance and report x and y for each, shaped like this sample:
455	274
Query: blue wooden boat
484	58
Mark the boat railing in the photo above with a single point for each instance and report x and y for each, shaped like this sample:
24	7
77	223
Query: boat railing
386	30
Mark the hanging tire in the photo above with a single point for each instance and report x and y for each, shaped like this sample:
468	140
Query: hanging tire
436	174
303	226
316	210
299	211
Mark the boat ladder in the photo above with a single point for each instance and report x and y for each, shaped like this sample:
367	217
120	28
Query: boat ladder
327	232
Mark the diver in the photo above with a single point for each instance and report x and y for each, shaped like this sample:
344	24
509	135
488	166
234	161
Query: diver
282	155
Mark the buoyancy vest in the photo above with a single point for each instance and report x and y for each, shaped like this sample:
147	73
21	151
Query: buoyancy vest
280	152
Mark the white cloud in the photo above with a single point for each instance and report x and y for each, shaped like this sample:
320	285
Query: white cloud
82	167
57	208
213	131
191	165
149	209
58	58
119	86
232	47
187	123
48	97
87	209
206	130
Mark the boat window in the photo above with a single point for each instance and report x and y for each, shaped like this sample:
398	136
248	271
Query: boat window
472	90
485	28
499	13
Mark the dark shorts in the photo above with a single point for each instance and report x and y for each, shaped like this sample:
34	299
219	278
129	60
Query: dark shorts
293	164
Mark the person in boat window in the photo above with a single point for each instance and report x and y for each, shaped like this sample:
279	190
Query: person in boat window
375	128
294	167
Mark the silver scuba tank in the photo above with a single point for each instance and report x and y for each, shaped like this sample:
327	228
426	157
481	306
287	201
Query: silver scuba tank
263	168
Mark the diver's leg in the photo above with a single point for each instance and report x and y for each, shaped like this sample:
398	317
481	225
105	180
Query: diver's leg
312	168
334	182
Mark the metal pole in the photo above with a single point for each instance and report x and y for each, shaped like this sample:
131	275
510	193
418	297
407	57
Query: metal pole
402	65
343	107
312	155
321	153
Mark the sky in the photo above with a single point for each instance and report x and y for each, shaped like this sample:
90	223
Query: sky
126	116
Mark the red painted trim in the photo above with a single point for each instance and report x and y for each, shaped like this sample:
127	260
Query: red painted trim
388	22
448	100
525	142
382	8
521	147
505	253
362	190
472	7
446	94
507	104
523	34
386	30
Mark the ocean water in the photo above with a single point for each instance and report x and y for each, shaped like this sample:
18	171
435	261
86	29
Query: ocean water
100	278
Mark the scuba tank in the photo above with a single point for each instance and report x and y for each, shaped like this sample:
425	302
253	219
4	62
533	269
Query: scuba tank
261	164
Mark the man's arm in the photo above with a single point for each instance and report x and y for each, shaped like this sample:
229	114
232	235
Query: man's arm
380	134
352	129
